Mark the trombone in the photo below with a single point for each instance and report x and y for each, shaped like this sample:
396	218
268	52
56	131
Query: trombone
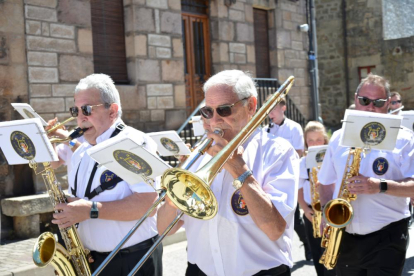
199	149
179	181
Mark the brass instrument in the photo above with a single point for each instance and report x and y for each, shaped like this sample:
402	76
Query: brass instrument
182	184
59	125
199	149
316	203
338	212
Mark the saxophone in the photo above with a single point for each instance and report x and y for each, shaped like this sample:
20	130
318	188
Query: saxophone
316	203
338	212
74	260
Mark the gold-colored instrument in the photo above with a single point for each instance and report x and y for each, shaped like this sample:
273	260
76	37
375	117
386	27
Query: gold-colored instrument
315	203
59	125
74	260
338	213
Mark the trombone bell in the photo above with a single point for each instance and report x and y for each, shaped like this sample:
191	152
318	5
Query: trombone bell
190	193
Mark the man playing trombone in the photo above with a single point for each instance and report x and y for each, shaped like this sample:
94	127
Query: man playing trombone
105	206
256	191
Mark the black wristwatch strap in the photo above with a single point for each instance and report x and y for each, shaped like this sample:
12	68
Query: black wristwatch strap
383	186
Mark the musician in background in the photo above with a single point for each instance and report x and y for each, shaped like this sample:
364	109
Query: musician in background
375	241
252	232
315	135
395	103
105	217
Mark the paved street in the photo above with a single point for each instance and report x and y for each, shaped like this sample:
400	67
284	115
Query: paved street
16	259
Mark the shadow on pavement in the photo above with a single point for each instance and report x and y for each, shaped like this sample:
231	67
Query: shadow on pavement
300	264
408	267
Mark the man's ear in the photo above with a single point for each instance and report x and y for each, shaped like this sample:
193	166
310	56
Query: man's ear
283	108
113	110
252	105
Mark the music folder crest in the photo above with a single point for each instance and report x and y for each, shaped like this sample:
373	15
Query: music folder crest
128	159
362	129
24	141
169	143
315	156
27	112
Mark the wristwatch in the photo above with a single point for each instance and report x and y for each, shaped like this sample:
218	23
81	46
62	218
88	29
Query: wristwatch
238	182
72	143
383	186
94	210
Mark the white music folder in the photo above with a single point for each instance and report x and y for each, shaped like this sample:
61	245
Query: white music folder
198	128
24	140
315	156
27	111
362	129
408	119
128	159
169	143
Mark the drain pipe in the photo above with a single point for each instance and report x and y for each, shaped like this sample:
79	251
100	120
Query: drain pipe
313	61
345	41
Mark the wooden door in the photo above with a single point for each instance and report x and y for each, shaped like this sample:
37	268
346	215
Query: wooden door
196	57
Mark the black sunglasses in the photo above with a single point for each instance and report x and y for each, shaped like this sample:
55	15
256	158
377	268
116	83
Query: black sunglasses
86	109
222	110
377	103
395	102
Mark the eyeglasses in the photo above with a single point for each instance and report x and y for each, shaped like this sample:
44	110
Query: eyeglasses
395	102
364	101
86	109
222	110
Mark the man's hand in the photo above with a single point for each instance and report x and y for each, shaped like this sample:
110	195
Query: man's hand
60	133
364	185
308	213
75	211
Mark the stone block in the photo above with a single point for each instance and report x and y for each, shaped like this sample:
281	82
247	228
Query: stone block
26	227
18	51
45	29
152	52
75	12
224	52
144	19
238	48
26	205
287	6
13	81
35	43
148	70
287	15
283	39
174	4
238	6
11	18
48	104
215	52
159	40
248	13
41	59
165	102
145	116
131	69
299	72
63	90
163	52
172	70
289	25
179	96
298	18
129	46
251	55
40	90
133	97
250	68
63	31
43	75
237	58
296	35
159	89
171	22
245	32
158	4
174	118
40	13
128	19
157	21
74	68
277	58
33	27
140	45
296	63
235	15
152	102
178	49
226	30
157	115
85	43
223	11
42	3
138	2
297	45
291	53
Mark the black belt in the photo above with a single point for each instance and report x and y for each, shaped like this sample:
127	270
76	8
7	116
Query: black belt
133	248
273	271
386	227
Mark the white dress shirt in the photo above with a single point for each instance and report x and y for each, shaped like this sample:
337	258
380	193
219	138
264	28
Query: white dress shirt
231	244
304	181
65	153
104	235
372	211
291	131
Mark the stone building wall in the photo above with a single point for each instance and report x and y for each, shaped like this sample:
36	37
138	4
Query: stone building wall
393	59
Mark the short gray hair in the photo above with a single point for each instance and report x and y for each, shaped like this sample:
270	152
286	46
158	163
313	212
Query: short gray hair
240	82
105	85
377	81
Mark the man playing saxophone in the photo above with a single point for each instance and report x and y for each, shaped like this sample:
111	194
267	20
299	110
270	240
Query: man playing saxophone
374	242
252	232
105	206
